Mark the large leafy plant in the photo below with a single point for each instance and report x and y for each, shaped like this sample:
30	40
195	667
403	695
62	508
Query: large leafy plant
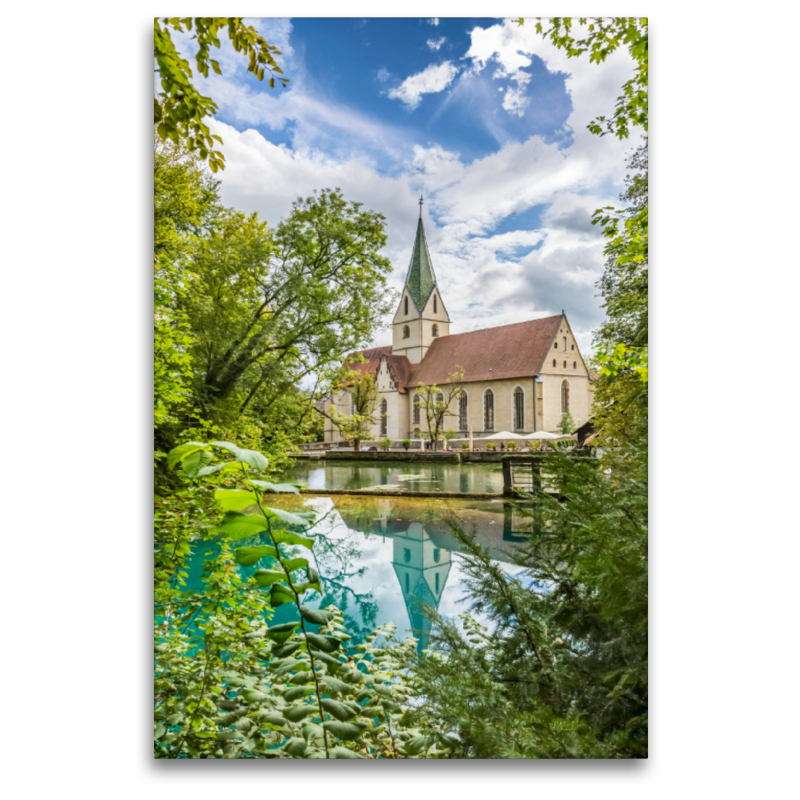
228	684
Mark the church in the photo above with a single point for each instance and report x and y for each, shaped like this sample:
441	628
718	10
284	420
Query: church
519	378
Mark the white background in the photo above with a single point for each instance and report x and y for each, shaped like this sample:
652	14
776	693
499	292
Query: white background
77	417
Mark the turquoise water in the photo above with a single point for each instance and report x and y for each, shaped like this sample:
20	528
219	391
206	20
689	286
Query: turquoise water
385	559
411	476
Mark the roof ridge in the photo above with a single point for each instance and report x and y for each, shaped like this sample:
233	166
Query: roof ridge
507	325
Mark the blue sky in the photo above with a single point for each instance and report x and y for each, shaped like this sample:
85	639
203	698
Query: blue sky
482	114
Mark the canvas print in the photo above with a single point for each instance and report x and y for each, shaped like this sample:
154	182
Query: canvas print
400	388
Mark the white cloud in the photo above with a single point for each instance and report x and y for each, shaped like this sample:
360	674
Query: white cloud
436	44
432	79
384	74
434	21
487	278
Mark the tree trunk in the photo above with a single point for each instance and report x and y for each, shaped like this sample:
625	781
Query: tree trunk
357	445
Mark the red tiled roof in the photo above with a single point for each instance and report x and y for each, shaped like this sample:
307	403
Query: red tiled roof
402	371
373	356
508	351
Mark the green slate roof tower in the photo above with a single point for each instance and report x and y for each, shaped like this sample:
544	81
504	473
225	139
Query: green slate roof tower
421	279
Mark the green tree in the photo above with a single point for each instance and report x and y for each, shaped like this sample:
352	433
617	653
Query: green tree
179	109
436	403
566	424
362	390
285	303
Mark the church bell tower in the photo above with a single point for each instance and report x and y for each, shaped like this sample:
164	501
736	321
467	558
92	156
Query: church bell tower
421	317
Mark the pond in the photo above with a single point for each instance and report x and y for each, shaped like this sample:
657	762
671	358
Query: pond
384	559
398	475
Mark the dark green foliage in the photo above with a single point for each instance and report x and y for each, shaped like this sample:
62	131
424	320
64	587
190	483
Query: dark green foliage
229	685
564	674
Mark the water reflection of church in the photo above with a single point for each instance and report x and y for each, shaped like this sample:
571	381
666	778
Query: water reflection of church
422	551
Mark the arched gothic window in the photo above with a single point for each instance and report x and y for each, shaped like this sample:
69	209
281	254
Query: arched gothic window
416	417
406	331
406	311
565	396
488	410
434	307
440	398
384	422
463	422
435	331
519	409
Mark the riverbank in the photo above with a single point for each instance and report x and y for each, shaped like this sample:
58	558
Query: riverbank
453	457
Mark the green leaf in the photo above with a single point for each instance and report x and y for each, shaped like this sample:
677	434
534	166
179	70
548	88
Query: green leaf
280	633
267	577
291	564
296	713
279	594
295	746
253	695
281	650
312	731
304	676
302	520
344	730
296	692
303	587
242	526
285	537
181	451
315	616
418	744
195	461
276	487
234	499
249	457
271	718
328	644
247	556
344	752
326	658
335	685
336	709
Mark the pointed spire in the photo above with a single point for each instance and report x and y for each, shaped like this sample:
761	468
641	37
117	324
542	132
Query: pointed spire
421	279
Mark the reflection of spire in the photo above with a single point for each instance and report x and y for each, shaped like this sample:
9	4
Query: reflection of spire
422	569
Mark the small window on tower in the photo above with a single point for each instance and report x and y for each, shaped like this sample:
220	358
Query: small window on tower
406	331
554	362
406	311
434	304
435	331
565	342
572	347
555	346
574	365
565	365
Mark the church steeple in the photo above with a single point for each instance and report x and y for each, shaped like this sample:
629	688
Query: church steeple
421	317
421	279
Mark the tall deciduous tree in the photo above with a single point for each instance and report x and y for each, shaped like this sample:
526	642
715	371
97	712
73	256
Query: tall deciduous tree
284	303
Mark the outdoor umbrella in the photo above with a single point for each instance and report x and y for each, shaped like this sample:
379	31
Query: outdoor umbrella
542	435
505	435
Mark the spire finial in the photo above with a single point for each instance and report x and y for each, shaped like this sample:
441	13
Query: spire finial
421	201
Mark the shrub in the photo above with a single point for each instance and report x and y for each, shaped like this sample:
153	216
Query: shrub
385	443
465	445
512	446
406	444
